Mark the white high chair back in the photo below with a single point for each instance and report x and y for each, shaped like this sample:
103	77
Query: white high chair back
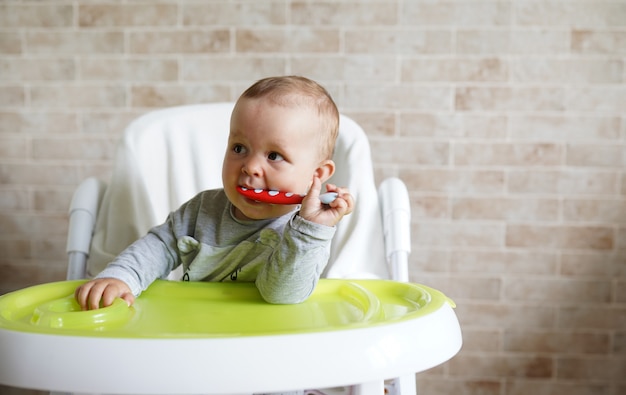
167	156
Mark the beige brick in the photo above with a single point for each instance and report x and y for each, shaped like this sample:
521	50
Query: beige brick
487	314
63	96
52	248
73	148
352	13
599	42
466	287
37	226
52	200
454	181
13	148
504	262
230	68
566	291
526	209
608	100
424	259
619	342
429	207
295	40
505	154
12	96
74	42
477	126
21	275
452	125
375	124
144	14
105	122
458	234
585	317
402	96
456	14
346	68
604	211
548	387
196	41
165	96
11	43
43	69
447	385
565	128
507	41
37	122
14	199
621	237
567	182
555	236
427	124
38	173
591	368
36	15
485	340
136	70
499	366
547	42
234	13
454	69
509	99
408	151
554	13
565	71
393	41
619	290
594	264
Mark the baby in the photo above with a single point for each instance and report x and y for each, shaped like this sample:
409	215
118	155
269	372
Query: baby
282	135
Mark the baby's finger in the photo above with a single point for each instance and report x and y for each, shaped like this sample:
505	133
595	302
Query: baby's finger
95	295
129	298
314	190
82	294
109	295
344	203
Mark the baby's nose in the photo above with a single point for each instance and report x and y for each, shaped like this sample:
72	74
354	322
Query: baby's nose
252	167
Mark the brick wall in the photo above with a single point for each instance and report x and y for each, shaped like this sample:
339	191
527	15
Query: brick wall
506	119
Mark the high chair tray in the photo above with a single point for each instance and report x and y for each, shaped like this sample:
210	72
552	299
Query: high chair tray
187	336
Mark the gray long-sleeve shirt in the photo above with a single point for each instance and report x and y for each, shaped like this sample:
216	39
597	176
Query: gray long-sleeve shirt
284	256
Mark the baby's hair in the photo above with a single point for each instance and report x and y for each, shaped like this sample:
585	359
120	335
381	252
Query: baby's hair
290	90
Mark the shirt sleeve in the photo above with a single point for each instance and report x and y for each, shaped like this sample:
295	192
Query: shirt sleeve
156	254
295	266
141	263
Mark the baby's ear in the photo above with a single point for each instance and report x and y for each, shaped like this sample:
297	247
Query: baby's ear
325	170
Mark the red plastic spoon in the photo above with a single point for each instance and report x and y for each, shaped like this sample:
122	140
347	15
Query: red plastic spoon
278	197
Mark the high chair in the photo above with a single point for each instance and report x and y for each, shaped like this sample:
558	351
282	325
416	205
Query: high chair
167	156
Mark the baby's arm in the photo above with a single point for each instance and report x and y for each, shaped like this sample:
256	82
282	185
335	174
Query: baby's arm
102	290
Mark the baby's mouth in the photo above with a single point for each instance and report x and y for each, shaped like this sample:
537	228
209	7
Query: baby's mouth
270	196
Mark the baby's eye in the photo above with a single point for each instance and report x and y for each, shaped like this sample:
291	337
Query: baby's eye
274	156
239	149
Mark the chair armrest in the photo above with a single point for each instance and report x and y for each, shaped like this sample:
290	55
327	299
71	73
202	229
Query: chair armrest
396	218
82	220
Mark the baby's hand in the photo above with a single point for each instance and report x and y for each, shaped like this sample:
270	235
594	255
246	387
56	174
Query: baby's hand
330	214
105	290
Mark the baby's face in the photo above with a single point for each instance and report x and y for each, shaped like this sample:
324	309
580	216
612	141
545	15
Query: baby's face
270	147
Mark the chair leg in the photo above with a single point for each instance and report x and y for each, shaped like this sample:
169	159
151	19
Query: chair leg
370	388
404	385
